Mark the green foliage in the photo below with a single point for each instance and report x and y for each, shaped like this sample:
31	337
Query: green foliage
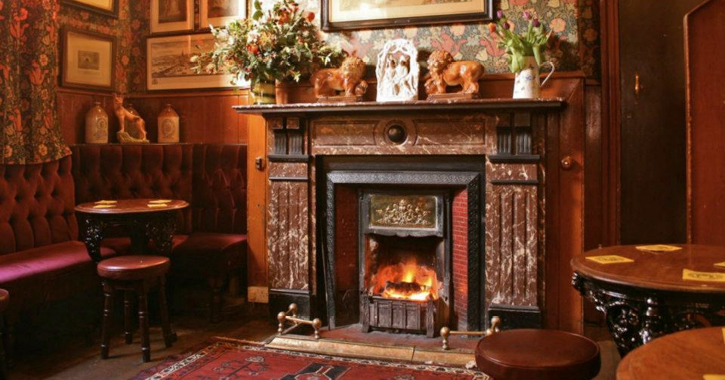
530	43
280	44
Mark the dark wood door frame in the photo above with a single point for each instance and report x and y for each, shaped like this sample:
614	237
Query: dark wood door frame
611	105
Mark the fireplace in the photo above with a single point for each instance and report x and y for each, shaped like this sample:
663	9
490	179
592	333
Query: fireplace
404	251
490	167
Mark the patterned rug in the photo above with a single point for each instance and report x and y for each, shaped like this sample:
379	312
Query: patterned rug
227	359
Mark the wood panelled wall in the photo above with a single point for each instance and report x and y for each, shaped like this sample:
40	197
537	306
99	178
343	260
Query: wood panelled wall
205	117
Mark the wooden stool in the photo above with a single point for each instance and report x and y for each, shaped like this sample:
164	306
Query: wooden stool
534	354
134	274
4	302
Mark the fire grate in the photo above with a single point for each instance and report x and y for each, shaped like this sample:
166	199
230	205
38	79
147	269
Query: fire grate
399	315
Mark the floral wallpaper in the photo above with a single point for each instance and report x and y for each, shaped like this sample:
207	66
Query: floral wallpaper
28	76
575	25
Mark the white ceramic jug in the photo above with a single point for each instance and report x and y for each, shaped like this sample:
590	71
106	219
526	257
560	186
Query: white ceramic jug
527	84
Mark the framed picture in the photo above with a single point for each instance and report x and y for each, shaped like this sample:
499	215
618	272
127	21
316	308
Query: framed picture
106	7
89	59
172	15
360	14
220	12
169	66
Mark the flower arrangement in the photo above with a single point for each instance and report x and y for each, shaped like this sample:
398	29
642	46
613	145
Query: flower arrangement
280	44
517	46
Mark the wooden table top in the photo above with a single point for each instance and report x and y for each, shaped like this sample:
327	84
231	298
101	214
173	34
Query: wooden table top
131	206
683	355
659	271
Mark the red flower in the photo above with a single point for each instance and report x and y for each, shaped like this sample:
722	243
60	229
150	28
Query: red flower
283	17
491	27
21	15
310	16
253	48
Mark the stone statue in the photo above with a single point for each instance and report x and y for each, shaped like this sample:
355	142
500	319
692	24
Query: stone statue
348	79
443	72
397	71
136	121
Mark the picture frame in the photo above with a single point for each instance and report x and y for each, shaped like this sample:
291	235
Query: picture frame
220	12
88	60
103	7
165	55
169	16
338	15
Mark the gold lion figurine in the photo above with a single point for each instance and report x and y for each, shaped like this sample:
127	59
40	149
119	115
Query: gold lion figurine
347	78
443	72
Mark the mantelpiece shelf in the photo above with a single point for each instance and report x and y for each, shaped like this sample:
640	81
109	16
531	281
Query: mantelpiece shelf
498	104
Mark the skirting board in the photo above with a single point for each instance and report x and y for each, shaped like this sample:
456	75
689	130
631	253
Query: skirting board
258	294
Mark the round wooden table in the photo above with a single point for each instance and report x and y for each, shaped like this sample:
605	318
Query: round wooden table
646	295
683	355
143	219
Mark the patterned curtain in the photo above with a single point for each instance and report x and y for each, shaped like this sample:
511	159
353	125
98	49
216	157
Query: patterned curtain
28	79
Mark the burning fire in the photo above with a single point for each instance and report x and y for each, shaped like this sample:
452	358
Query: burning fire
408	281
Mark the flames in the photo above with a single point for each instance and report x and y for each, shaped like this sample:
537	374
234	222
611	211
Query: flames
407	280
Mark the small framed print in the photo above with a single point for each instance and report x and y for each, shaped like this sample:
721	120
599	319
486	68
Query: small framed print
172	15
169	66
219	13
88	59
106	7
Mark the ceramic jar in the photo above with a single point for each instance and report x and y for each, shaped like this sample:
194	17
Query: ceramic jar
527	84
263	92
168	124
96	125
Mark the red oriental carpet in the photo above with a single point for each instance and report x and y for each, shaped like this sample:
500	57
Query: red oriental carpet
221	359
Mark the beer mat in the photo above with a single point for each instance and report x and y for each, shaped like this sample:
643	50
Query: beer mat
106	202
160	201
658	248
609	259
691	275
156	205
104	206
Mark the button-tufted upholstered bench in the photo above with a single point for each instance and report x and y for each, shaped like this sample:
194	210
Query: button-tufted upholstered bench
211	240
41	259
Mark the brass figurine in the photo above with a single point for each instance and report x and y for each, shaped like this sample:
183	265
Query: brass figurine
444	72
348	79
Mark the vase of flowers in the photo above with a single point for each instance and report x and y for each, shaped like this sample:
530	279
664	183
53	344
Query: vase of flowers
280	44
525	53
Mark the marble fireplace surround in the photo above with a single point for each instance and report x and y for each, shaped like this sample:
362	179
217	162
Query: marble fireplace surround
311	147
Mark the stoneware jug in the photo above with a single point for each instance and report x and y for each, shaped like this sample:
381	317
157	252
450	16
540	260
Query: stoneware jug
168	124
527	84
96	125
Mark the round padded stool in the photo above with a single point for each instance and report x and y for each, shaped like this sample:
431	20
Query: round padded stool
4	302
534	354
134	274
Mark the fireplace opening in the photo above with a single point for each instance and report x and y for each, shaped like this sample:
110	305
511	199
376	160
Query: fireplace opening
403	252
404	268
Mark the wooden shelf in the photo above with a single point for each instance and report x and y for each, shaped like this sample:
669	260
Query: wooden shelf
419	105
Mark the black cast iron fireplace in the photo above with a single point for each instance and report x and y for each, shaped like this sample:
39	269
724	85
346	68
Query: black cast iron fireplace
405	258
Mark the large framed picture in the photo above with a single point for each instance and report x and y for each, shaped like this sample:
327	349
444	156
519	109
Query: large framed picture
88	59
360	14
169	66
172	16
218	13
106	7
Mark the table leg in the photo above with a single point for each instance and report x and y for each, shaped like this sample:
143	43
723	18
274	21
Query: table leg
92	235
161	230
